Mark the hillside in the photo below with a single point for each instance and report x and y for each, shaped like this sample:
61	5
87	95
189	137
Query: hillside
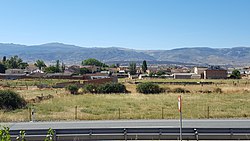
71	54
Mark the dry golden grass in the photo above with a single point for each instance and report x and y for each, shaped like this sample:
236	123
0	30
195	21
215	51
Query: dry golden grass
232	103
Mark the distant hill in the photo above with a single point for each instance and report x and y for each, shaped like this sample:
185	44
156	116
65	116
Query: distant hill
71	54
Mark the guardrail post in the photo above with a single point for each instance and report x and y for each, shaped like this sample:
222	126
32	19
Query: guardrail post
55	138
160	133
196	134
90	134
125	134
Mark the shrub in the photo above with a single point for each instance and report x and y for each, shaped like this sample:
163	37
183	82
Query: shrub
72	88
205	91
217	90
106	88
180	90
149	88
90	88
11	100
167	89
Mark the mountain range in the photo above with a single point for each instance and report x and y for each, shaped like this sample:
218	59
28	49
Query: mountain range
71	54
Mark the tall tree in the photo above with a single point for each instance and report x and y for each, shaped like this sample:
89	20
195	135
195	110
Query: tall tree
40	64
63	67
144	66
132	68
15	63
58	64
4	59
2	68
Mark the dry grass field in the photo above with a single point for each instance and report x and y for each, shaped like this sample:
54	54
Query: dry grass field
233	102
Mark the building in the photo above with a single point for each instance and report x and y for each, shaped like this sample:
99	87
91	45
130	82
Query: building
215	74
15	71
182	75
199	70
92	68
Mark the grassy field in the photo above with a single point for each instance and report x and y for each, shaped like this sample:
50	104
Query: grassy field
233	102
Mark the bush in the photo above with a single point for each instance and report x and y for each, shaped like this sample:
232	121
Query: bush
11	100
72	88
106	88
217	90
180	90
149	88
90	88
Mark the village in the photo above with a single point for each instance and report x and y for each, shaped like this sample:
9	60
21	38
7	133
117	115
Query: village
93	72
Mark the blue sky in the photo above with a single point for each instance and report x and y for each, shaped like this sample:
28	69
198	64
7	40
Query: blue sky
137	24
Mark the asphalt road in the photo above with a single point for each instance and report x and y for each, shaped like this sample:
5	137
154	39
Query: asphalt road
129	124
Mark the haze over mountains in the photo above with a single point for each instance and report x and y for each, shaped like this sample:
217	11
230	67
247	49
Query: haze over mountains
71	54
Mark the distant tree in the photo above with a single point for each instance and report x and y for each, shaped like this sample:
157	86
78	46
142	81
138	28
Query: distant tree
84	71
92	61
40	64
235	74
2	68
112	66
51	69
4	59
63	67
151	74
57	64
15	63
160	72
144	66
132	68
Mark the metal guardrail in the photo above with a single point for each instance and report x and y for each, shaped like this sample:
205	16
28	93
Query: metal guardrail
139	134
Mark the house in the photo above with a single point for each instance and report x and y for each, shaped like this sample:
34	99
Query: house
123	68
32	69
72	69
200	71
59	75
142	76
96	76
195	76
15	71
92	68
215	73
12	76
132	76
182	75
36	71
180	70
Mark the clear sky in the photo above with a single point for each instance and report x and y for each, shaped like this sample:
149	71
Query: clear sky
137	24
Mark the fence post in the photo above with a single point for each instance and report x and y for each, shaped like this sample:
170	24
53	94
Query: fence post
119	113
29	109
208	112
162	113
76	113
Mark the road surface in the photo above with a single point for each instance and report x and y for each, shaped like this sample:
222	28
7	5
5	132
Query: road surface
227	123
